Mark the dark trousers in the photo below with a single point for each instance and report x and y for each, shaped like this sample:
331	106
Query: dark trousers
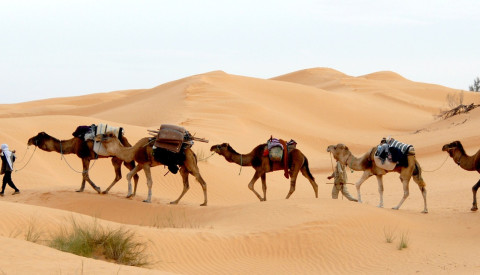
7	179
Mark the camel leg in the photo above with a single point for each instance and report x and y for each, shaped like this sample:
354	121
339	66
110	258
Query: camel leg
474	191
365	176
421	186
405	193
190	166
264	186
252	184
148	175
131	174
293	179
86	177
186	185
380	190
310	179
117	166
82	187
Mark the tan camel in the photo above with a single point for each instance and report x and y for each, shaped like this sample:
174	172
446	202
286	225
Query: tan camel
469	163
366	163
142	153
262	165
84	150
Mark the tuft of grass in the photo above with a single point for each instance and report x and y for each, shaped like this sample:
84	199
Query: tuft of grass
94	241
403	241
389	234
169	220
32	234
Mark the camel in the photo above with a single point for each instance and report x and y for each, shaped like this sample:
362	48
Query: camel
142	153
84	150
466	162
366	163
262	165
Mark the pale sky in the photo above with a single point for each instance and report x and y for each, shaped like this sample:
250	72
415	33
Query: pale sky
58	48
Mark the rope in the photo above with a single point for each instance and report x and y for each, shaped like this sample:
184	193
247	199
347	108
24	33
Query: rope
207	157
28	160
19	161
241	163
80	172
428	171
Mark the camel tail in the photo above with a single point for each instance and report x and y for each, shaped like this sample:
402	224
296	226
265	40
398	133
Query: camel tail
305	164
417	175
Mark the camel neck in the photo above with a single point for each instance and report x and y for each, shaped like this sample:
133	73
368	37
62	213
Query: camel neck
465	161
355	163
64	146
125	153
240	159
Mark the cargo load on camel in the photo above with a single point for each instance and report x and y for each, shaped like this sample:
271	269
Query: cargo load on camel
277	150
170	144
89	133
391	152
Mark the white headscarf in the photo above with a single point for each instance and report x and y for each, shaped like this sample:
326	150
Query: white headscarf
7	155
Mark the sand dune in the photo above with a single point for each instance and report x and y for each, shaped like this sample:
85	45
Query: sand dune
235	233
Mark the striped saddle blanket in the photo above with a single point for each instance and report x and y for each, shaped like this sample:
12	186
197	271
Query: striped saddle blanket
392	153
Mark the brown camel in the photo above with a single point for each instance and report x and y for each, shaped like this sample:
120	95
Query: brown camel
469	163
262	165
366	163
84	150
142	153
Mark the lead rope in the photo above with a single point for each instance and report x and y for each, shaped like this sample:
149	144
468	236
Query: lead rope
241	163
437	168
23	158
28	159
65	159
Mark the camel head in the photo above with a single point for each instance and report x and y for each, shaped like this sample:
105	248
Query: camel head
43	141
340	152
452	147
110	141
221	149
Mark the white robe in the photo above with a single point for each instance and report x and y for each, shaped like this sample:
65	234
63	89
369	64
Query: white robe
8	155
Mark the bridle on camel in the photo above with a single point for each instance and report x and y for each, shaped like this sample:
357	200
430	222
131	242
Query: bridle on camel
80	172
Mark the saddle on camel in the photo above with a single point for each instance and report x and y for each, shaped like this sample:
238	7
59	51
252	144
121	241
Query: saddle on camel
391	152
277	151
171	141
89	133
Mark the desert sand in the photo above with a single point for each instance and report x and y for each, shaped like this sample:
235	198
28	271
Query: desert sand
236	233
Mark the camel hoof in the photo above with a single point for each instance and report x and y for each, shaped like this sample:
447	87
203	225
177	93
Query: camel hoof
130	196
147	201
380	206
98	190
174	202
474	208
105	192
425	211
395	208
203	204
79	191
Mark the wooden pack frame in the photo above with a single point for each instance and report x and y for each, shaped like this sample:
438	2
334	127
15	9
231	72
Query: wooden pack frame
170	137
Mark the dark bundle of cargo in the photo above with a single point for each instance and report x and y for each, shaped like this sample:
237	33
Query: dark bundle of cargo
170	145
